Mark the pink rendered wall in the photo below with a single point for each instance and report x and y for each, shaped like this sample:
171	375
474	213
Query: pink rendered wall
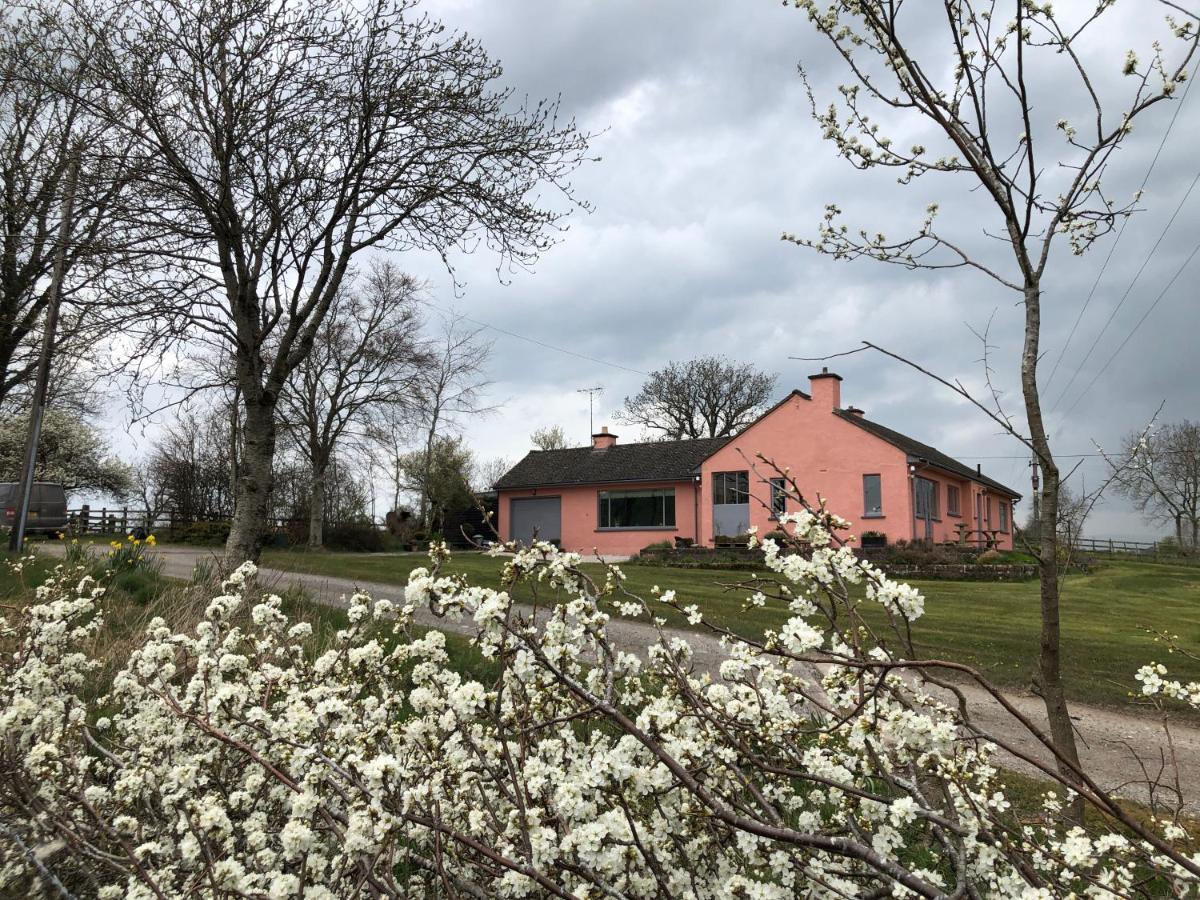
828	457
580	507
945	527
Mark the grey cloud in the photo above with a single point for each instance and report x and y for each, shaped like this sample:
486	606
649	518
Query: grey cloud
711	154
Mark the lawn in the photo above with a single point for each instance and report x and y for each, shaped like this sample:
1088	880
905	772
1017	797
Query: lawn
1105	613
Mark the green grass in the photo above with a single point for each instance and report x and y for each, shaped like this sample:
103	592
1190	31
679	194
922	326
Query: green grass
993	626
135	596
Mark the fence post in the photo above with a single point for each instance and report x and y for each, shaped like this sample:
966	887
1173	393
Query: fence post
124	520
84	511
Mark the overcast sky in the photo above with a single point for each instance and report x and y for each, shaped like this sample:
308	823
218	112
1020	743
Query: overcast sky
709	153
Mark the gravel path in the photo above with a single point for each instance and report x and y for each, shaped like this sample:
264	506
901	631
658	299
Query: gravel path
1109	738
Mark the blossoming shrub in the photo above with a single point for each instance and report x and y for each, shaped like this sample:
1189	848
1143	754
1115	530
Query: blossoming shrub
233	760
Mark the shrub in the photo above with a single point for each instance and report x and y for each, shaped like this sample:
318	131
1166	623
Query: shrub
355	538
229	755
658	545
206	533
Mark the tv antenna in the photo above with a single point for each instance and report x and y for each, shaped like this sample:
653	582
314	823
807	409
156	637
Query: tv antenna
591	392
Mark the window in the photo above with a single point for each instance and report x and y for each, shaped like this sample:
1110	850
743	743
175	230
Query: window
637	509
872	496
1004	515
778	497
926	498
952	507
731	487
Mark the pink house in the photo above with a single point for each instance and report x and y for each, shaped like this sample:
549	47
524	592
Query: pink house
617	498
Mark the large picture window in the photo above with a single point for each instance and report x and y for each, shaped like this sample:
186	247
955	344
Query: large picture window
731	487
872	495
637	509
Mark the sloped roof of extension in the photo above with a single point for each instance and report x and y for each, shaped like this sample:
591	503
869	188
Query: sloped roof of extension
931	455
650	461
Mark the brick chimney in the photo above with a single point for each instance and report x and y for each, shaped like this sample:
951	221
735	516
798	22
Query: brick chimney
603	440
826	389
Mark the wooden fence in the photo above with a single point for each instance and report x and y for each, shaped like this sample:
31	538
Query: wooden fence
125	520
1144	549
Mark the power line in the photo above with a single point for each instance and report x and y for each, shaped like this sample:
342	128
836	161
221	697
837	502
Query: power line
1128	291
1133	330
540	343
1120	232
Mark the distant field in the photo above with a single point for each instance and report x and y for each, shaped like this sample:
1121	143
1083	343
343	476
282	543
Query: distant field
992	626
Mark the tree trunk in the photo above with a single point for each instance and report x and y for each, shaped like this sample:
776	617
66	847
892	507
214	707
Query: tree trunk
1049	674
426	522
316	509
252	505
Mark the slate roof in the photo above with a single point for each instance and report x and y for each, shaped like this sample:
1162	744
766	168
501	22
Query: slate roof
915	448
649	461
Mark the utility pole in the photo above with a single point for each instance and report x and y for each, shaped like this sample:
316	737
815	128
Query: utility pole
37	410
591	392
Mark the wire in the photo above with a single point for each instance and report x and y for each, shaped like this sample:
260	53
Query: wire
1120	232
1133	330
1128	291
540	343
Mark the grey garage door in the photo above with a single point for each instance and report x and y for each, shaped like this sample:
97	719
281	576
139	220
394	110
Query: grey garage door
542	515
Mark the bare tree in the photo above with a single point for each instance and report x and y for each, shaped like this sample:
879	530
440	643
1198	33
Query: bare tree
279	141
706	397
190	463
452	386
996	118
487	473
365	355
551	437
43	125
1164	482
151	485
391	431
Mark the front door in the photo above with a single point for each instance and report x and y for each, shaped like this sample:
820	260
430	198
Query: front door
924	503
